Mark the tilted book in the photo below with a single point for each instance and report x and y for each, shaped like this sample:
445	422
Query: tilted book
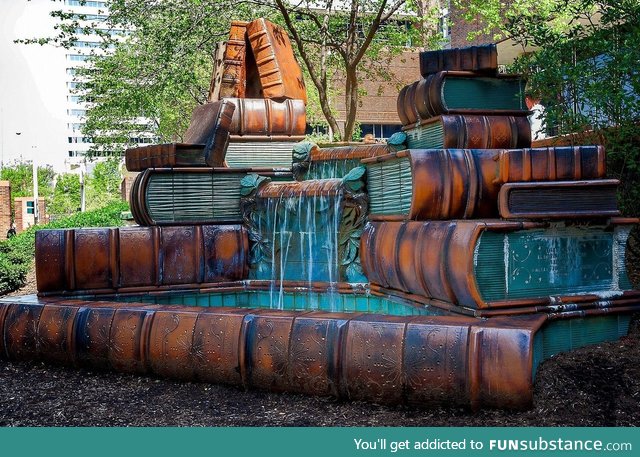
278	71
205	142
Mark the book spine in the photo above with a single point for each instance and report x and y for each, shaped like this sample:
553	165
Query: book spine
216	147
268	117
154	156
464	189
485	132
279	73
139	258
559	199
217	72
445	184
233	81
376	358
406	107
480	59
565	163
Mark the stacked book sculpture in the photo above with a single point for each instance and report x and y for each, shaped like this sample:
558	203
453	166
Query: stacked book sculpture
470	217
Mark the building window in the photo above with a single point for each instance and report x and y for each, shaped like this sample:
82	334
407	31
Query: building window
86	3
30	207
380	131
77	57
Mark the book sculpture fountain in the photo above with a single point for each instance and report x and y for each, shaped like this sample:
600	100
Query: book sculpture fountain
440	267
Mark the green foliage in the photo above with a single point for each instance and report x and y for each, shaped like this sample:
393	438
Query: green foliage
584	70
66	195
20	175
17	253
103	185
156	76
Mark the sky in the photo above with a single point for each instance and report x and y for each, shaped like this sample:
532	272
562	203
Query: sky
32	86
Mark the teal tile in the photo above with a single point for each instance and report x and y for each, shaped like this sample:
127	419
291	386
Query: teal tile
190	300
229	299
350	303
361	303
203	299
215	300
289	301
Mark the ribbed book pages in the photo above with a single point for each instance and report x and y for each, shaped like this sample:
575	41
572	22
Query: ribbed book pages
547	262
194	197
390	187
429	136
260	154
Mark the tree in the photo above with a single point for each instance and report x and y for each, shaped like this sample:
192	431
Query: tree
585	71
160	71
103	184
338	37
20	175
66	195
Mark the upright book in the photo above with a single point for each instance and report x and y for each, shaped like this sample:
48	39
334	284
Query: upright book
279	73
478	59
234	74
205	144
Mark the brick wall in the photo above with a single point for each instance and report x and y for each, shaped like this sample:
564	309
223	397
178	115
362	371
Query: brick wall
23	218
379	105
126	184
460	29
5	207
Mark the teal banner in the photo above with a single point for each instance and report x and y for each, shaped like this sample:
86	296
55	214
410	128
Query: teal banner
311	442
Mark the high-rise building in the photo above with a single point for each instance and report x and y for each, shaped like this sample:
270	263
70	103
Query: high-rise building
41	110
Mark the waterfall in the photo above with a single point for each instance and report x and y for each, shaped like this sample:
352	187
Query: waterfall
301	224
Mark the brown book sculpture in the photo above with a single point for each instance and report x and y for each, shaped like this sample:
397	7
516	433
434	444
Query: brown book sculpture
139	258
559	199
481	264
469	131
423	184
234	73
478	59
279	73
263	116
205	144
461	92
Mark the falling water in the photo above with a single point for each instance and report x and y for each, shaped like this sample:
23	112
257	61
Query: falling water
303	234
